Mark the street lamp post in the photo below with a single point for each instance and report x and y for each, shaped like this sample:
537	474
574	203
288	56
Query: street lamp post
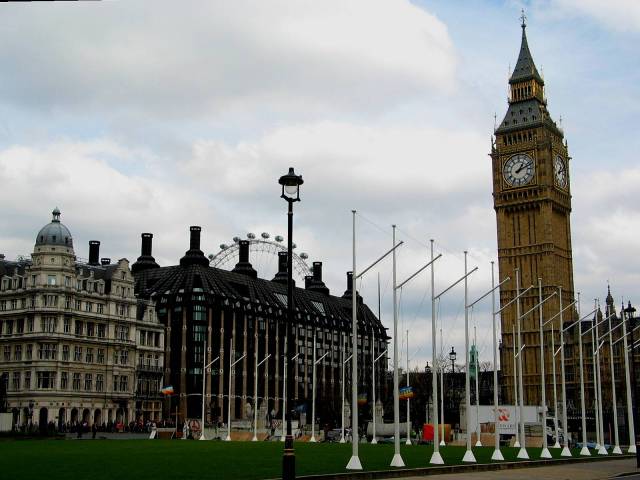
632	324
290	193
452	358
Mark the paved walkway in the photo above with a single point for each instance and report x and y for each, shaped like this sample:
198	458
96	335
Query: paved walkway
600	470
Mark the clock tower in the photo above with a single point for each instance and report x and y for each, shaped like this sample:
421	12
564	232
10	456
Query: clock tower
532	200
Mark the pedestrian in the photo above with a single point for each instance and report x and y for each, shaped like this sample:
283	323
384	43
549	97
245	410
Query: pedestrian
94	430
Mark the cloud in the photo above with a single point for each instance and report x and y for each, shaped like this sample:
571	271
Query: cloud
205	59
622	15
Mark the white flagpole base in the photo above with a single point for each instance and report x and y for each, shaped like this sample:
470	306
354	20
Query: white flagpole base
566	452
497	455
616	450
632	449
408	442
374	441
545	453
397	461
312	440
342	440
478	443
442	444
202	437
469	457
585	452
602	450
597	447
516	444
254	439
354	463
282	438
436	459
557	445
522	454
227	438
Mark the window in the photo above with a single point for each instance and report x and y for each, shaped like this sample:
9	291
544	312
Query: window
100	308
15	382
76	382
48	324
33	280
78	305
20	326
46	379
67	302
142	337
99	382
51	279
78	327
51	300
124	357
9	327
88	382
100	356
88	306
123	333
67	325
65	353
199	313
91	329
77	354
27	380
198	333
124	383
198	353
64	380
29	352
7	353
89	356
29	324
17	352
101	330
47	351
115	383
67	281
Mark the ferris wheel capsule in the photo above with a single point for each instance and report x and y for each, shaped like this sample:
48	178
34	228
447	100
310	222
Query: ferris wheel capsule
279	238
264	235
251	236
236	239
304	256
293	245
223	246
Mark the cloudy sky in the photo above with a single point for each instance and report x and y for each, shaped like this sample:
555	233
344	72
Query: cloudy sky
152	116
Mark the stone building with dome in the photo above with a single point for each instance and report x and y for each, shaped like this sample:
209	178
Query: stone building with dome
75	344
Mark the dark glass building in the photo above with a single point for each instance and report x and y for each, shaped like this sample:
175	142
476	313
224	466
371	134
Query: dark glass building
235	313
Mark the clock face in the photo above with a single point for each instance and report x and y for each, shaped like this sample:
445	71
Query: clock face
519	170
560	172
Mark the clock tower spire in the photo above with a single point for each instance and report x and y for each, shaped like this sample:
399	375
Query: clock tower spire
532	201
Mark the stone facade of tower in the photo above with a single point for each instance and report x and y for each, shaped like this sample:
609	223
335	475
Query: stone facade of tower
532	200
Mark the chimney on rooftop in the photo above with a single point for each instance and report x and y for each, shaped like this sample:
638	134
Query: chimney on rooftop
94	252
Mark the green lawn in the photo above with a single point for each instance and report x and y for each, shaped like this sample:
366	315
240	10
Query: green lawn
164	459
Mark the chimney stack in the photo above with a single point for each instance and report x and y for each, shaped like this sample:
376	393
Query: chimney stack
316	284
105	261
281	276
94	252
147	239
145	260
308	281
244	266
348	294
194	255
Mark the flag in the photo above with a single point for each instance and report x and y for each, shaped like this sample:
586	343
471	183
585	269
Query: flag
168	390
406	393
